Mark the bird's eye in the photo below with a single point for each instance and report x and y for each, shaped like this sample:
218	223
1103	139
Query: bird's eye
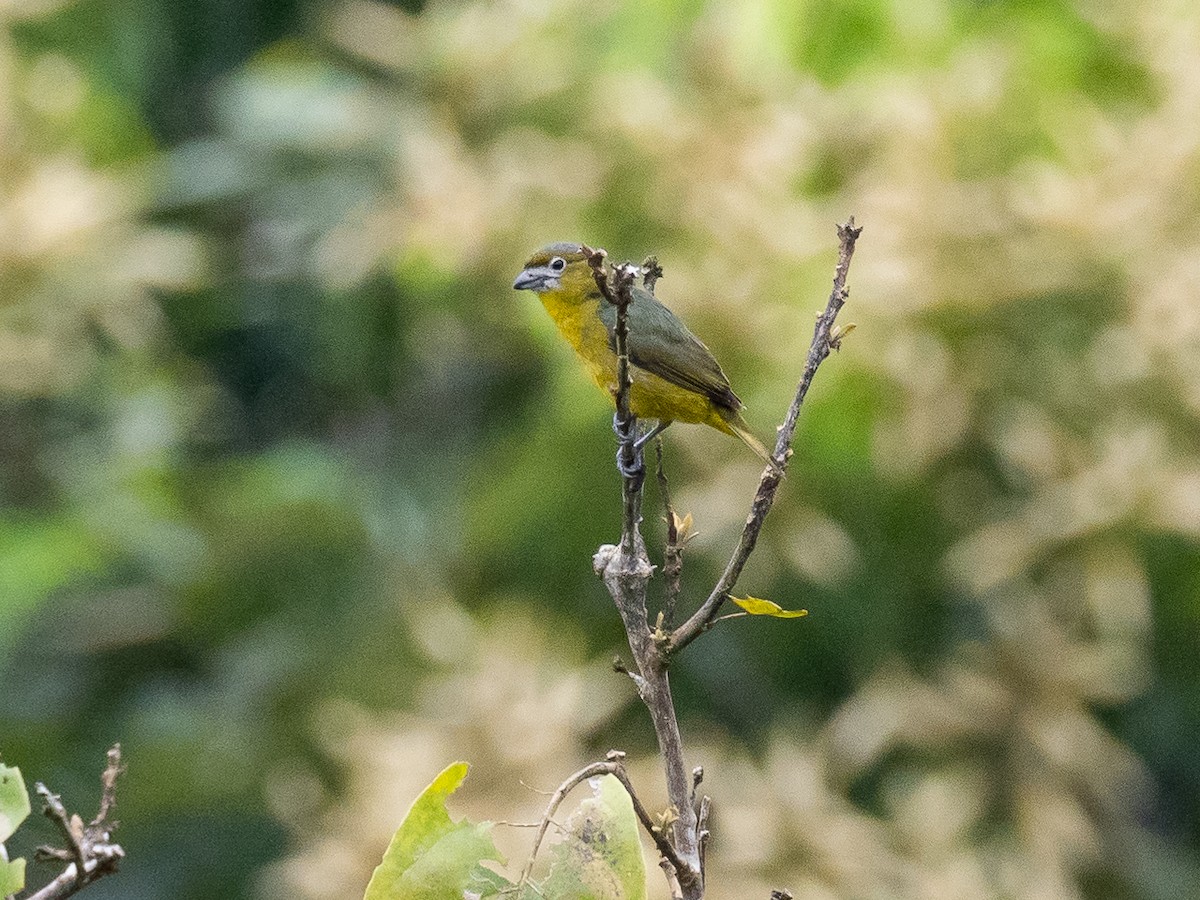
557	264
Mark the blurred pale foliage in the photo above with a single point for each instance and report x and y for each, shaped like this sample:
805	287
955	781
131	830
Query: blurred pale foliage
299	499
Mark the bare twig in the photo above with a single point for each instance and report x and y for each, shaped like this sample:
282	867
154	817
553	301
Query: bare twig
90	853
672	878
651	272
702	814
665	848
626	568
108	787
622	669
673	551
70	826
772	476
614	766
556	799
736	615
532	789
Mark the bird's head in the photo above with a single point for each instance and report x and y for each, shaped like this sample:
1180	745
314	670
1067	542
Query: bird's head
554	268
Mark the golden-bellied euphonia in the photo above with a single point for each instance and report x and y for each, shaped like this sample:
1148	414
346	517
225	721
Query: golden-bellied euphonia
674	376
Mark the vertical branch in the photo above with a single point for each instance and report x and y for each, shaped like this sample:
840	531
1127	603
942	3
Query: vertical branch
677	530
619	292
626	570
677	535
632	470
622	296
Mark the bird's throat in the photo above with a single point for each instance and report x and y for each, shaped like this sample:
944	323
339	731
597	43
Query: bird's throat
578	322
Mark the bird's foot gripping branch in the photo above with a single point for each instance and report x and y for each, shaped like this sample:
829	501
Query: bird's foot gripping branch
599	855
630	460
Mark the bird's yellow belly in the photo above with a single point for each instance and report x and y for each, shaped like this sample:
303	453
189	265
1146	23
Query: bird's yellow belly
650	396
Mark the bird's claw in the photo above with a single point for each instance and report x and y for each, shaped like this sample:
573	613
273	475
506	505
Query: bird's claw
636	468
626	433
627	440
623	429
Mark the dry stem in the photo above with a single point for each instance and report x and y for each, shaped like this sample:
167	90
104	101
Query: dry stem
673	551
823	342
90	853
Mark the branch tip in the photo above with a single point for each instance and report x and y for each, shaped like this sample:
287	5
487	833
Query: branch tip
90	853
651	272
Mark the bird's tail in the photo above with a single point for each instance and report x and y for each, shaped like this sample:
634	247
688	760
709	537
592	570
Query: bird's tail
739	429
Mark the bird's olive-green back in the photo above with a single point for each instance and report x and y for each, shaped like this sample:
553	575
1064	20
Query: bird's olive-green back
660	343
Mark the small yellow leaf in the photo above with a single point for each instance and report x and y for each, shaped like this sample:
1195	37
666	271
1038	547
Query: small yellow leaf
758	607
838	333
683	528
666	819
659	634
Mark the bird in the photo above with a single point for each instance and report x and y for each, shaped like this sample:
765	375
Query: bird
674	377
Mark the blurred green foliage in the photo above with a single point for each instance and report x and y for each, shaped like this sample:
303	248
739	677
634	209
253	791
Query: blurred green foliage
268	400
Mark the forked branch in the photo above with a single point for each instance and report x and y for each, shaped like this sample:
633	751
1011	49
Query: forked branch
626	570
90	853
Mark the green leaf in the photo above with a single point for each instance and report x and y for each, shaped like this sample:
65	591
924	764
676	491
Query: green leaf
12	877
432	857
14	801
14	807
601	857
756	606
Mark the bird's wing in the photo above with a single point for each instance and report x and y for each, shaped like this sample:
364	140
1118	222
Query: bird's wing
660	343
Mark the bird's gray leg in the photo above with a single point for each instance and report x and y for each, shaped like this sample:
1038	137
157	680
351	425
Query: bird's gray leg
651	435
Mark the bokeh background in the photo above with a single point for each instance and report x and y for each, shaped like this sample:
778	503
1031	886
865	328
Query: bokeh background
299	497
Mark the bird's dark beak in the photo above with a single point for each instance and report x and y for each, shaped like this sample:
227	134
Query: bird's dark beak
528	280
